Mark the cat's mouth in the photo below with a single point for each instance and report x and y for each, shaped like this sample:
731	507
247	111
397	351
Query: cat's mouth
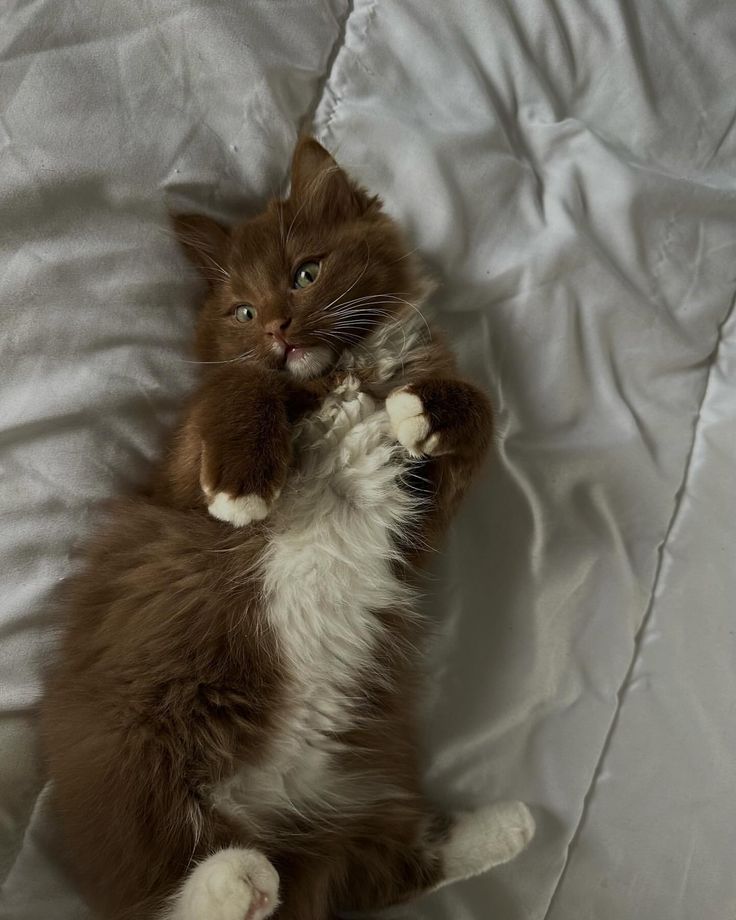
294	353
303	361
289	353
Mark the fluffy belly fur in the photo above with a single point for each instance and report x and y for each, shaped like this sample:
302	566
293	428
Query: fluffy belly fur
328	568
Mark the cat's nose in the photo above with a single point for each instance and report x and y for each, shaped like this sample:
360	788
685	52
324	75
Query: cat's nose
277	326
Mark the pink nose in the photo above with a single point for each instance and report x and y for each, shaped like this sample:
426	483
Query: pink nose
277	326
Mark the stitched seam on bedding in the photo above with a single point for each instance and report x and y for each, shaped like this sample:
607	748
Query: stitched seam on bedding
647	616
337	47
334	85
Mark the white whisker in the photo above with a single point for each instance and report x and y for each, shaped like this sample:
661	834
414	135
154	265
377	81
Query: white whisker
244	357
365	268
319	178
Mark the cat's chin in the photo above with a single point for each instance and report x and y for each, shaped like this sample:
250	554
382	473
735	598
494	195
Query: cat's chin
307	363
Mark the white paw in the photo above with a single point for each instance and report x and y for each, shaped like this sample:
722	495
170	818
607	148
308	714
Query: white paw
239	511
485	838
409	423
233	884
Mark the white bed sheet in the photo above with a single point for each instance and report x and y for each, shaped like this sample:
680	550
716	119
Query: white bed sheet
568	172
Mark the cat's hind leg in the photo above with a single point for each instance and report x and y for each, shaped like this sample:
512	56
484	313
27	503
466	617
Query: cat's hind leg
479	840
461	847
398	855
231	884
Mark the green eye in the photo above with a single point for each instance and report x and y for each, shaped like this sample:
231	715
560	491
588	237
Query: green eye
244	313
306	274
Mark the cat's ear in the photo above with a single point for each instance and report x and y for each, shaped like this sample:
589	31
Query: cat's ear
322	189
205	243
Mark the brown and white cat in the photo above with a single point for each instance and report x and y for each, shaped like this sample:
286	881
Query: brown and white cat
229	724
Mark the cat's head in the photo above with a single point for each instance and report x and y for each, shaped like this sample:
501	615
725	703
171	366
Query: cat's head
312	276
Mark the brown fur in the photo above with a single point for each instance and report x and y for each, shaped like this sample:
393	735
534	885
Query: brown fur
168	674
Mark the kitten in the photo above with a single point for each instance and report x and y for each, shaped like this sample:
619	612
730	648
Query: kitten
229	722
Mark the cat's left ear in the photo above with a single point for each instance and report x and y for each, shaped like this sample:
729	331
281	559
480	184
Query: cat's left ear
322	188
205	243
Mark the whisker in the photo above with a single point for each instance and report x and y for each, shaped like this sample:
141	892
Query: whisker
365	268
362	309
355	300
244	357
203	248
280	206
405	256
313	185
415	309
293	219
369	310
372	306
378	299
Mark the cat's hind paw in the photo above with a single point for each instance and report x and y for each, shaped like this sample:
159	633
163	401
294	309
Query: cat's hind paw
485	838
232	884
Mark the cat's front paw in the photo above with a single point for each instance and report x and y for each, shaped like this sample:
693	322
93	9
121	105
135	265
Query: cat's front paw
239	494
238	510
410	423
233	884
440	417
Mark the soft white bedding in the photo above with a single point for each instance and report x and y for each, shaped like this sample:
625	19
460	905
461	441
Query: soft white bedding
567	169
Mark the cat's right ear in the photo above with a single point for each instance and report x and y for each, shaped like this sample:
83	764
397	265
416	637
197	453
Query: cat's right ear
205	243
322	188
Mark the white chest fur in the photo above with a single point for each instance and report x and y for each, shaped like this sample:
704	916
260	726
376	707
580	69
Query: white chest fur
327	569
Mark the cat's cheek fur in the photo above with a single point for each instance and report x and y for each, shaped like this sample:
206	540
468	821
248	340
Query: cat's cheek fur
232	884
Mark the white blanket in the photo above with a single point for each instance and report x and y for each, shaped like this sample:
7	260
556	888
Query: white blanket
567	169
